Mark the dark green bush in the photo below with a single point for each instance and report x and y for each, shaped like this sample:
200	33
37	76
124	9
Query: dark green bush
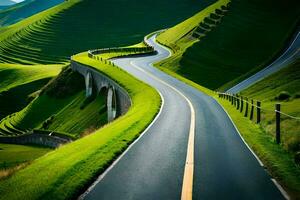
284	95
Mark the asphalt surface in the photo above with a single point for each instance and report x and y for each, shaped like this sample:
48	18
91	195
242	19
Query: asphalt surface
291	54
153	168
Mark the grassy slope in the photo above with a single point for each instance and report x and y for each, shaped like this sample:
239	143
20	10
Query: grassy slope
12	155
225	54
68	97
52	36
18	81
174	34
13	75
178	38
63	173
82	121
287	79
24	9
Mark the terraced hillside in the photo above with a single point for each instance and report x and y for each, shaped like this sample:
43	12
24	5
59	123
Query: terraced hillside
27	8
77	25
250	34
249	37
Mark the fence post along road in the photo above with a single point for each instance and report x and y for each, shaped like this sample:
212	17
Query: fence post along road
256	109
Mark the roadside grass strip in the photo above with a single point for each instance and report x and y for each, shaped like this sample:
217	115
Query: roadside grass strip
67	171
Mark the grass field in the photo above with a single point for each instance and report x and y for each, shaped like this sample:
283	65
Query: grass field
12	155
225	55
286	80
78	163
15	157
78	25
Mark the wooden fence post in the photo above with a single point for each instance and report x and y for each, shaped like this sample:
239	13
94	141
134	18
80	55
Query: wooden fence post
237	102
258	112
277	110
252	108
234	100
231	96
247	105
242	104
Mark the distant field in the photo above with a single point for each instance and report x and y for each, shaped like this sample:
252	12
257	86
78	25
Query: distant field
12	155
20	11
75	26
249	36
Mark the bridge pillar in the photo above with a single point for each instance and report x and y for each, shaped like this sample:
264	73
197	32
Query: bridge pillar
88	84
111	104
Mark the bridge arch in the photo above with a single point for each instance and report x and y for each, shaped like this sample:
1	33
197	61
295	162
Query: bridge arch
117	99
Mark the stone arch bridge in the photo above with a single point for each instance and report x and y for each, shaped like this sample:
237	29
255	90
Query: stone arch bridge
117	100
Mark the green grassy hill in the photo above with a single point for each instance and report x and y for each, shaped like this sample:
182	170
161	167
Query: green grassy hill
18	82
249	36
75	26
12	155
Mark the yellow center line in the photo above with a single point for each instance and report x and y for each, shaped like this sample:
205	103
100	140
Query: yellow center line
187	186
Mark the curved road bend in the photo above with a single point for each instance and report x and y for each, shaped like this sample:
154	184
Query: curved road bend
153	168
290	55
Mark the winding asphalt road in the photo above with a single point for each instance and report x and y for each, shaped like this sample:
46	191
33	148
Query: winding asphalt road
154	166
291	54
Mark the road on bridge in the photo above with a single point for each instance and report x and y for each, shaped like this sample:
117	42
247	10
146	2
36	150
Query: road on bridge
219	165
